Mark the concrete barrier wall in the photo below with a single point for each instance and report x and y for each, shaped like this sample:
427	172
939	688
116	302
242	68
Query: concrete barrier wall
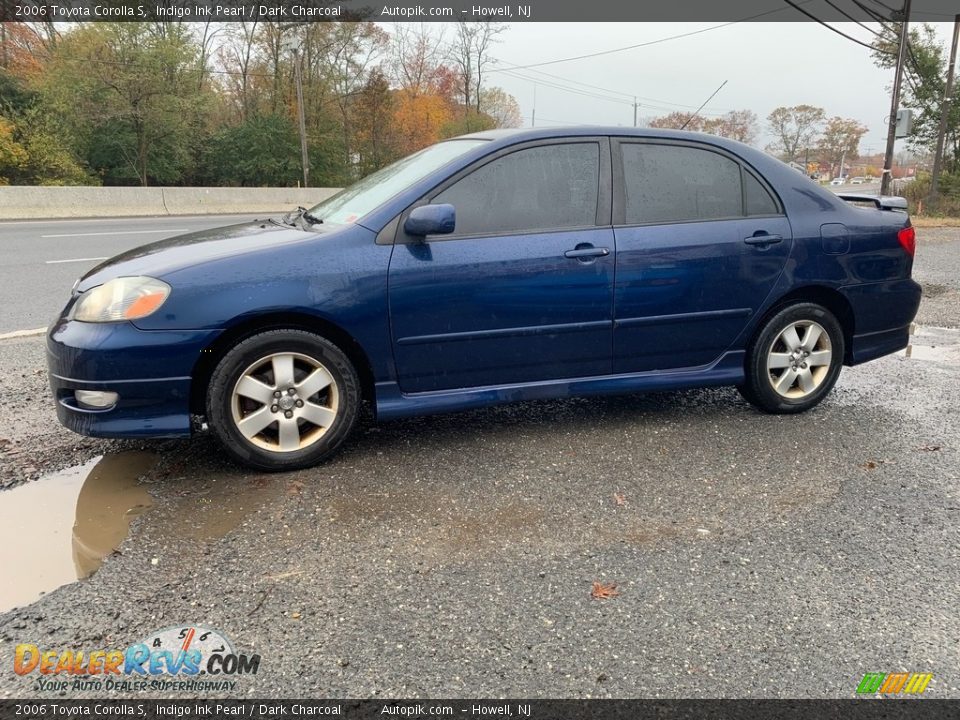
21	202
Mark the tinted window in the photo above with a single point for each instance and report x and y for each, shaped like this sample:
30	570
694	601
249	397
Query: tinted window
672	183
553	186
759	201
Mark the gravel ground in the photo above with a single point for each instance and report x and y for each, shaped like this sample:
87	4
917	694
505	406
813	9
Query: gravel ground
754	556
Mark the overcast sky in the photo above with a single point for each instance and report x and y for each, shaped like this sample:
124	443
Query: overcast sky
766	65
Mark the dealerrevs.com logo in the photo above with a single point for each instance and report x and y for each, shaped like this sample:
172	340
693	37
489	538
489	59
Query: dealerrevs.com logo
191	658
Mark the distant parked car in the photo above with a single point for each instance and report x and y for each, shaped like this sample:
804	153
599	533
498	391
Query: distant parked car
857	181
837	181
494	267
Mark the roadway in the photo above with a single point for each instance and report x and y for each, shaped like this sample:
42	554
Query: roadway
41	259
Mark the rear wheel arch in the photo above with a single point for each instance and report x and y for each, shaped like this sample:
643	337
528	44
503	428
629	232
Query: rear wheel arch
831	299
232	336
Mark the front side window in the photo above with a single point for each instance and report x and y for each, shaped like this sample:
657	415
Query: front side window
676	183
538	188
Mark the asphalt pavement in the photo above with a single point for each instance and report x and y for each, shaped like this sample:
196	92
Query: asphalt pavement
41	259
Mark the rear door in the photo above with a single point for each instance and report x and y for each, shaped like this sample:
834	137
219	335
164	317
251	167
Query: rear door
522	291
701	240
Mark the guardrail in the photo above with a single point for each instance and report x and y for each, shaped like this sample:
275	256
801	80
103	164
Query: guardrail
19	202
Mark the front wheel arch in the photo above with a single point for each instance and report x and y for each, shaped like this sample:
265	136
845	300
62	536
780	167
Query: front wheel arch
211	355
283	400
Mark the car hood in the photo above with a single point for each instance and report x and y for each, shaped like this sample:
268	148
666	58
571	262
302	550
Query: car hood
175	253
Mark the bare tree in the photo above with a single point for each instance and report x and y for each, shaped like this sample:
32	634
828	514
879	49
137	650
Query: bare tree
239	53
471	55
416	56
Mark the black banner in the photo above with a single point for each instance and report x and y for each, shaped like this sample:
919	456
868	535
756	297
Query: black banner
297	11
868	709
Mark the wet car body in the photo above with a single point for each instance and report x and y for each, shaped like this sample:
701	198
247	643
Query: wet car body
445	323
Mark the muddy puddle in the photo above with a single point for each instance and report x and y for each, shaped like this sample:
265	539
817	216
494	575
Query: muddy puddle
60	528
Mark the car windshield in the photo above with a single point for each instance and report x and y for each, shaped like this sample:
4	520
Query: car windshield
352	203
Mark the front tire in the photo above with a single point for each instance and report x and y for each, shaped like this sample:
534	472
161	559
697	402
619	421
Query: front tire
794	360
283	400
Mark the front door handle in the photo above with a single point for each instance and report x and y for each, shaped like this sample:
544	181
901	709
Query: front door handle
581	253
763	239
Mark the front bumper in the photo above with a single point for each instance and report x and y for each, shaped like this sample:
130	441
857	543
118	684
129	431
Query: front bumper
150	370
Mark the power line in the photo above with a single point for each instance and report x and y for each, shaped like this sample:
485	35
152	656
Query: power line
851	17
669	107
648	101
646	44
575	91
799	9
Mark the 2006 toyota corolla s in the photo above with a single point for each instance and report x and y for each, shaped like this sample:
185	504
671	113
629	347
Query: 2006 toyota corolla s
489	268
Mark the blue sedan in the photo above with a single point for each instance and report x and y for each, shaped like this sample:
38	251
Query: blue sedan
490	268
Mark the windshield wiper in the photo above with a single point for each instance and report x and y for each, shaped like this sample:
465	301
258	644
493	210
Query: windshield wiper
291	217
312	219
301	213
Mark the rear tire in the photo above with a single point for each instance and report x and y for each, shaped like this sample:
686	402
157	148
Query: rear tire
283	400
794	360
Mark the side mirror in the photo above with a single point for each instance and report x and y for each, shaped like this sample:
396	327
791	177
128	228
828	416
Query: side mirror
431	220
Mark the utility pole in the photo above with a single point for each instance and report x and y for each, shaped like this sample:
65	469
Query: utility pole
944	112
634	110
291	44
305	159
895	101
533	117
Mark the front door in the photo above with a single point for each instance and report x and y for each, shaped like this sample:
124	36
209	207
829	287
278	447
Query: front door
522	291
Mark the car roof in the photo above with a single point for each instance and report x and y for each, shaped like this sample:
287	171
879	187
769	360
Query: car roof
510	136
523	134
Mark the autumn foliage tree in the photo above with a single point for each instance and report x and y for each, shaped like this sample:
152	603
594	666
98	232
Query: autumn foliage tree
737	124
154	103
840	141
795	129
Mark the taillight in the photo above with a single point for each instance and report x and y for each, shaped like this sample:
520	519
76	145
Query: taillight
908	238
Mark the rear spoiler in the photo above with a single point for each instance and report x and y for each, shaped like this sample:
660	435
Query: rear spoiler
881	202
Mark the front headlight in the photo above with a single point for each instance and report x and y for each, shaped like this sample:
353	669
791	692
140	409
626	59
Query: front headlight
124	298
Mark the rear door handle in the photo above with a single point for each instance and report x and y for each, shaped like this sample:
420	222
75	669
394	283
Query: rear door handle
587	252
763	239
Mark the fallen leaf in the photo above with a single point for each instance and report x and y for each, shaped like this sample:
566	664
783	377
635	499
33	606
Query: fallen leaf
929	448
620	499
872	464
603	592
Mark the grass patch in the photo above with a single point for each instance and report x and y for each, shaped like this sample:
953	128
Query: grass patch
928	221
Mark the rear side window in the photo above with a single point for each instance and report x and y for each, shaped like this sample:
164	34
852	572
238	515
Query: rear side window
539	188
675	183
759	201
